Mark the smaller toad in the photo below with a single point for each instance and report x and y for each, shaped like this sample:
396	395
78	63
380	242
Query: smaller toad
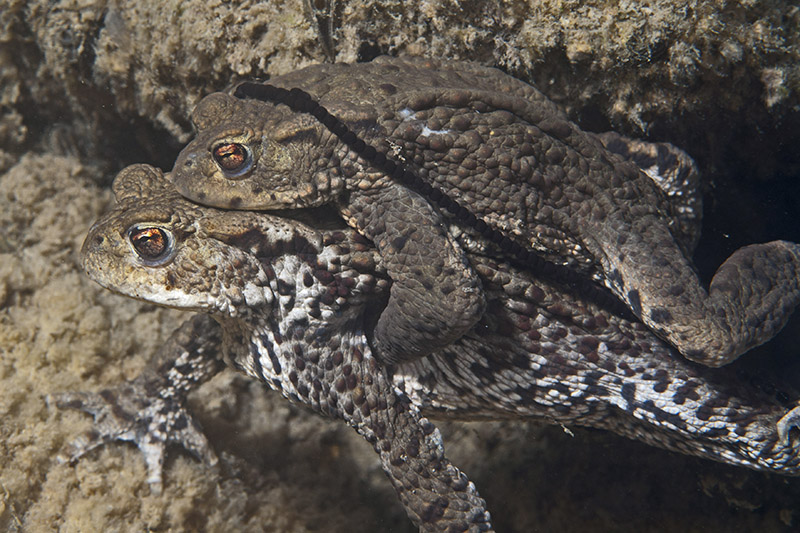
517	172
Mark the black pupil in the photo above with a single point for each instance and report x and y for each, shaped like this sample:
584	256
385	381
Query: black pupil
230	156
150	243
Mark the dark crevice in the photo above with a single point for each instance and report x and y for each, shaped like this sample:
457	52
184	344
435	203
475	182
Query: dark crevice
369	50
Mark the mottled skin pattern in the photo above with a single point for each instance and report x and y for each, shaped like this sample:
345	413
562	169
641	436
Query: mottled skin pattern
293	304
149	411
499	147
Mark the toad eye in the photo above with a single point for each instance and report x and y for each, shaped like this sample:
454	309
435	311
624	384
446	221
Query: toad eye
234	159
153	245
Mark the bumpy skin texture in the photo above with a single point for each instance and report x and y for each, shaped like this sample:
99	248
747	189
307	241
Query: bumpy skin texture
293	304
499	147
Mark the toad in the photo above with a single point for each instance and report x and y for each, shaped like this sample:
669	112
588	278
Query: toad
292	300
403	147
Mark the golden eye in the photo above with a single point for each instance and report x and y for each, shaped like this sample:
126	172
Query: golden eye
153	245
233	158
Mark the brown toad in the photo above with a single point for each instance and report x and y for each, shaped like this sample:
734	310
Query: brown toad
292	304
515	166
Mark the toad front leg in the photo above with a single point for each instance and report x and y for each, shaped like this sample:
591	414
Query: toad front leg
436	296
436	495
339	377
149	411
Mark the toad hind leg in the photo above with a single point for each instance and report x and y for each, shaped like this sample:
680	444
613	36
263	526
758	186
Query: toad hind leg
436	296
750	298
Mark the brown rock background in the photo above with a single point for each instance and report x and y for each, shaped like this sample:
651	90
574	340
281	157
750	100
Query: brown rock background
87	87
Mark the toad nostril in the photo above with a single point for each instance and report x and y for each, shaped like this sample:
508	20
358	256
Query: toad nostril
188	162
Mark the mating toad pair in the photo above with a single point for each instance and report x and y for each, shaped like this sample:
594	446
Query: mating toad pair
482	226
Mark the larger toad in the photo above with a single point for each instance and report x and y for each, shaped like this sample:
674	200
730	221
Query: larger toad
293	305
516	166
